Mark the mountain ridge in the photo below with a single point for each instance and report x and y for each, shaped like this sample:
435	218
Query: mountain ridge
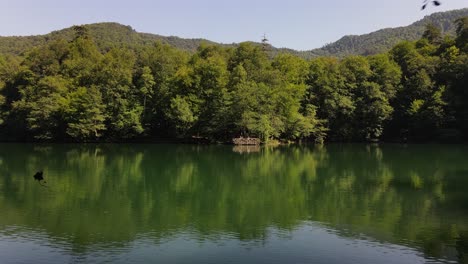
111	34
390	36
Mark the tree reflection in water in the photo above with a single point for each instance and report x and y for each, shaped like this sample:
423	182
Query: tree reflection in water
111	194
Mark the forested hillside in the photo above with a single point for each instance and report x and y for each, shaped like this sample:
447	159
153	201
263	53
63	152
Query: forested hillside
114	35
111	35
72	89
105	35
383	40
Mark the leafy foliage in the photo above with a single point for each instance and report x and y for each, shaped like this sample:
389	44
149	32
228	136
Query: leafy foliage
73	90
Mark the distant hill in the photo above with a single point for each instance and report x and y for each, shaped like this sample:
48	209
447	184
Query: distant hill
108	35
384	39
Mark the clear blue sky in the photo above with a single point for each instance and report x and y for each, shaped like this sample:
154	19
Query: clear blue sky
298	24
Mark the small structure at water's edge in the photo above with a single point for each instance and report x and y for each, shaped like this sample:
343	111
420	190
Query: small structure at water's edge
248	141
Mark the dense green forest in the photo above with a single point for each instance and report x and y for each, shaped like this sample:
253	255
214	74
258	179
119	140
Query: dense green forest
71	90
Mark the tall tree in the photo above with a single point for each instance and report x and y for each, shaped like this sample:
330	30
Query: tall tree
44	106
164	62
327	90
115	81
462	33
146	85
433	34
86	114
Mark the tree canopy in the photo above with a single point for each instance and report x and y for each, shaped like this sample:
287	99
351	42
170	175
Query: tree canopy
71	90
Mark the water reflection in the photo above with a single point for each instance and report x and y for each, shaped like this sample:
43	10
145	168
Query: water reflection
126	198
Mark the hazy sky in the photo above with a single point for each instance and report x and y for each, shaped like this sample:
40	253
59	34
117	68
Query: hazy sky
298	24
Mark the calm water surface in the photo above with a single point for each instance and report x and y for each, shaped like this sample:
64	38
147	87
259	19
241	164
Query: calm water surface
219	204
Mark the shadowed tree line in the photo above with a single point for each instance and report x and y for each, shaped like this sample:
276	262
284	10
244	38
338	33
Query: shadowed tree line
72	91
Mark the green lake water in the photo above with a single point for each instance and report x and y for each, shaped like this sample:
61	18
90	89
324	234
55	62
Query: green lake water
222	204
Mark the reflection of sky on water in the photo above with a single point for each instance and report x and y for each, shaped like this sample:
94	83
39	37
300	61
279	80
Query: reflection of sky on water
309	243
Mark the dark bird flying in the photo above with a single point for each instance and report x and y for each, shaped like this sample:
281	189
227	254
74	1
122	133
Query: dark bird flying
426	2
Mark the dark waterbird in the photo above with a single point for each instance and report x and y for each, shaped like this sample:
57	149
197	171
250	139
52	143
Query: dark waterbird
39	176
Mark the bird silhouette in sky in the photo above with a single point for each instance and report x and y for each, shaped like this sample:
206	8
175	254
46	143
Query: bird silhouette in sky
426	2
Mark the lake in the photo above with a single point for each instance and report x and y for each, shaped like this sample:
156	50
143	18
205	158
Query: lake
338	203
